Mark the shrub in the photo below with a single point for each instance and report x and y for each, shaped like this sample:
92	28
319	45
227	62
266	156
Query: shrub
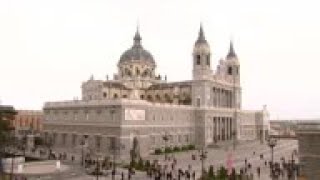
140	165
211	172
176	149
191	147
147	164
133	164
222	173
168	149
157	151
184	148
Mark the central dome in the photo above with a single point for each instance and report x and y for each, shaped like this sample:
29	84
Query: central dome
137	52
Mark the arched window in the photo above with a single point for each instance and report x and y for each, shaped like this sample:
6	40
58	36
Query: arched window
128	72
124	96
115	96
137	71
198	59
167	97
158	97
229	70
104	94
149	98
142	96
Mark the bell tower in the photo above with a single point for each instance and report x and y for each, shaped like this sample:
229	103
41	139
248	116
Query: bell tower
201	58
232	71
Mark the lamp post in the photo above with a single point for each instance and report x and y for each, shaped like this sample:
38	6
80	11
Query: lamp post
83	143
13	139
272	143
166	139
203	156
292	165
114	160
98	168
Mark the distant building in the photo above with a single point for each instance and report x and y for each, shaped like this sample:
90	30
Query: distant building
7	113
308	134
139	104
28	120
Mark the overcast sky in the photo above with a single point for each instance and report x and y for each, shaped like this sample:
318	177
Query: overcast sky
48	48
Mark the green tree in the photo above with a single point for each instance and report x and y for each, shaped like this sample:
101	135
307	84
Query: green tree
222	173
211	174
6	115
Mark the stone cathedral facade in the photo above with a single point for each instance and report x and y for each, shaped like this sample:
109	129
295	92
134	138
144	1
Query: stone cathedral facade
138	103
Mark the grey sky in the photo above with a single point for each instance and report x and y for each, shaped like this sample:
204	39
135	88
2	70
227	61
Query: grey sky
47	48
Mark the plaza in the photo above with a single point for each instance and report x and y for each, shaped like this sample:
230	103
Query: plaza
245	153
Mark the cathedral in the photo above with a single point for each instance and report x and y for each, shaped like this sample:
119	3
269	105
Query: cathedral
138	104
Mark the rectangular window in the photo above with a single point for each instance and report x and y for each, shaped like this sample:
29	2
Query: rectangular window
198	102
98	142
73	139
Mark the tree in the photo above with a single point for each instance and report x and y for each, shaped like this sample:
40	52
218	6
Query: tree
6	115
211	174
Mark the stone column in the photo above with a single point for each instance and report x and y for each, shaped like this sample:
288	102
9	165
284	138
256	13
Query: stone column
219	98
58	140
224	98
213	97
230	129
228	99
218	128
227	128
221	127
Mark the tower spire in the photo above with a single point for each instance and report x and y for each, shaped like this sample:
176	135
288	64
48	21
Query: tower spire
231	52
137	37
201	37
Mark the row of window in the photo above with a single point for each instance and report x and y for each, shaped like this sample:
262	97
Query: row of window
157	139
149	97
154	117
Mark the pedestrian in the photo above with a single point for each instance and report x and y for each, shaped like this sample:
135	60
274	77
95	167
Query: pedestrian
122	176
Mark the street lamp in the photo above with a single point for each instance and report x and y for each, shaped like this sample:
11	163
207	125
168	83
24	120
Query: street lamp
203	156
97	167
166	139
272	143
83	143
